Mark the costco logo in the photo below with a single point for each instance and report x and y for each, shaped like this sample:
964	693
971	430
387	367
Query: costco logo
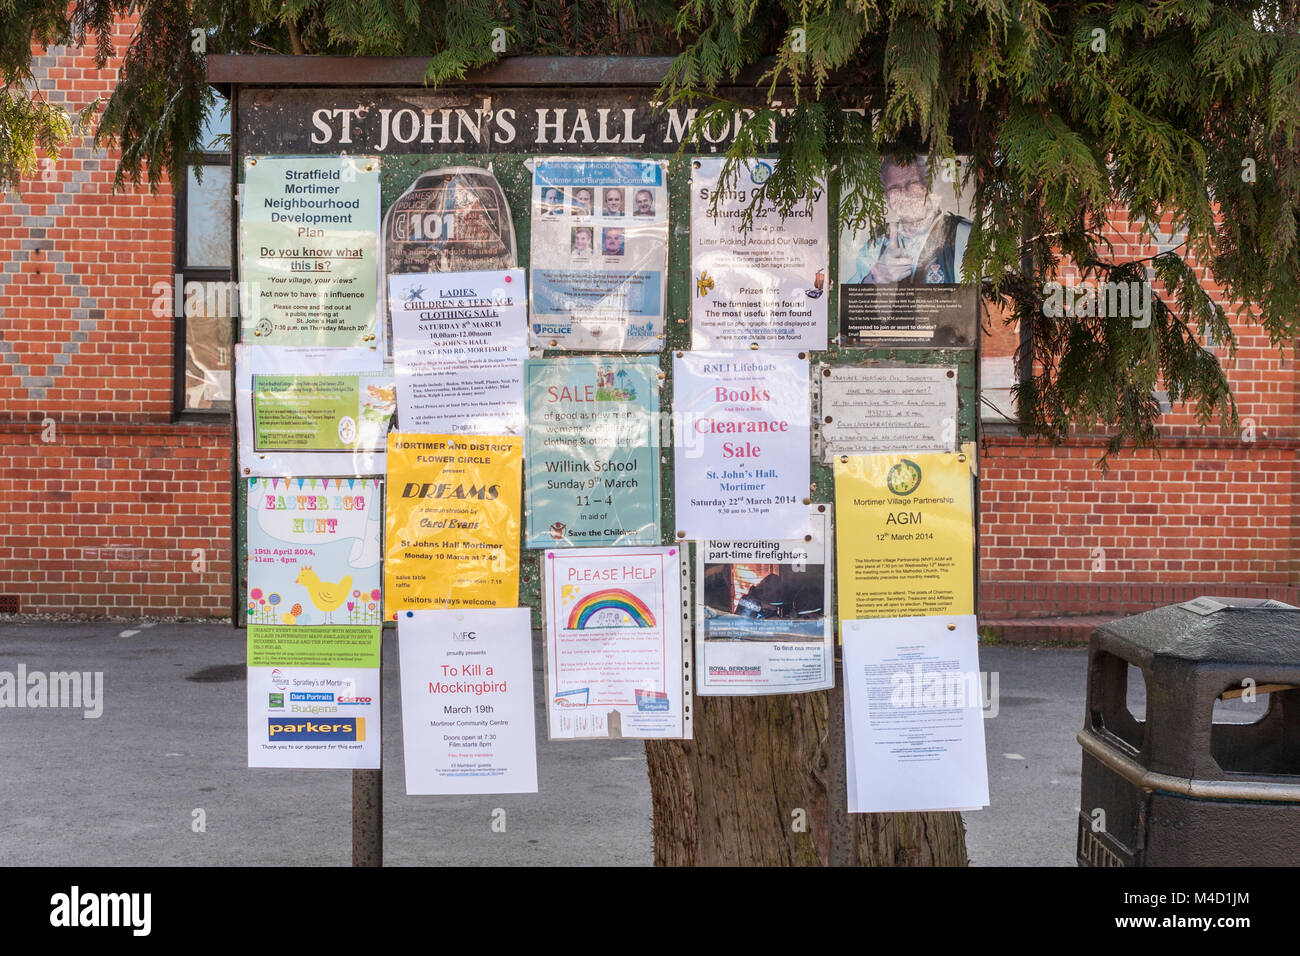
354	700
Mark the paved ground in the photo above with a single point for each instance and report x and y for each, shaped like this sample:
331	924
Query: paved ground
122	789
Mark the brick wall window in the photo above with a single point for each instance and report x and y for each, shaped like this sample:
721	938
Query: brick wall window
209	302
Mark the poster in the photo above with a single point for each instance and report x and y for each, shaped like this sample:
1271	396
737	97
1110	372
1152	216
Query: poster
467	701
900	279
766	284
877	409
763	613
614	656
459	345
452	522
454	219
313	551
593	452
599	261
913	715
309	250
313	697
741	444
312	411
905	541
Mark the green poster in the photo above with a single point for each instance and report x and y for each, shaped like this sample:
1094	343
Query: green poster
322	412
275	645
309	250
592	452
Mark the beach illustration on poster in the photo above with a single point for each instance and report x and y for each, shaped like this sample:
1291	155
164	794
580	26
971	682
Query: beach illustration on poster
314	551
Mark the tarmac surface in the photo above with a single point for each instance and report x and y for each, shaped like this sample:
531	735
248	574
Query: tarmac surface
124	788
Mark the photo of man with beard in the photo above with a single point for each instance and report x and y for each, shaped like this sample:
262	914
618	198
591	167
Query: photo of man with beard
924	243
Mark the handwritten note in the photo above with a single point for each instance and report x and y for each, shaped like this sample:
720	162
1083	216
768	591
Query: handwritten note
878	410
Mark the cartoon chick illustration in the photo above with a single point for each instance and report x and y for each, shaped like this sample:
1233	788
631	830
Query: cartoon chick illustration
327	597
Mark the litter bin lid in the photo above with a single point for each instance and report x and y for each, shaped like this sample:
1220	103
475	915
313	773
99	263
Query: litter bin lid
1213	632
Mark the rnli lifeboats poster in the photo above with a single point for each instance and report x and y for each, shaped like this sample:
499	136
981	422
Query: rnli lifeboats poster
906	535
614	656
741	445
452	522
467	701
764	618
593	452
309	251
313	551
764	281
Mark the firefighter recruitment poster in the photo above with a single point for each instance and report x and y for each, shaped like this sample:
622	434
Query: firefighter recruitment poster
614	656
452	522
906	535
763	614
309	250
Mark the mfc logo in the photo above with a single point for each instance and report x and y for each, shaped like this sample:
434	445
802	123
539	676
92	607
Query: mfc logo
315	731
463	636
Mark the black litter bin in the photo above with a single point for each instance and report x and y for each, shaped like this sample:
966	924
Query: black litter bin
1173	787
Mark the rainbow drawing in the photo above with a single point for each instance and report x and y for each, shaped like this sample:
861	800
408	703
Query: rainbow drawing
635	613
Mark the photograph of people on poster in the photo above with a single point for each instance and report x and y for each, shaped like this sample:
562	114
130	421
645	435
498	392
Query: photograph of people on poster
901	279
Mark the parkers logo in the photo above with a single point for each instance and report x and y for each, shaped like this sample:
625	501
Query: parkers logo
279	729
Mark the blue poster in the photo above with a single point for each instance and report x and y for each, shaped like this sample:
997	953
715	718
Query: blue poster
592	451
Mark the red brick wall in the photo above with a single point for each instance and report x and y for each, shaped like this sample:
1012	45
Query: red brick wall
105	516
1208	513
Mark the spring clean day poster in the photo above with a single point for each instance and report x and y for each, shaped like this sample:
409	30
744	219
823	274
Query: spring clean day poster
313	551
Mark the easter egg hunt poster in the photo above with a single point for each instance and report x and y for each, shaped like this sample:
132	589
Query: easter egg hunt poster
741	440
614	657
452	522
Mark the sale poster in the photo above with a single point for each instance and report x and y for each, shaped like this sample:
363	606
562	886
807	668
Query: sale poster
599	262
763	612
906	535
593	451
313	697
452	522
467	701
312	411
614	656
313	551
741	445
761	280
309	250
459	345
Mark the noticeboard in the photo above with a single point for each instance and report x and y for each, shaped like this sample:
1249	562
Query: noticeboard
504	120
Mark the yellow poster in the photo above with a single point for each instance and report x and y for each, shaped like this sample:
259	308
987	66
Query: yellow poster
906	536
452	522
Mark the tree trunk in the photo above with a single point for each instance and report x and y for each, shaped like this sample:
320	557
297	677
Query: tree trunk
732	795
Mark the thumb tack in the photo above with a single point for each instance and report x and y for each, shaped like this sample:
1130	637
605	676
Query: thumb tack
681	534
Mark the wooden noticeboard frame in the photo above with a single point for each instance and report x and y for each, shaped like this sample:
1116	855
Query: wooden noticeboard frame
309	105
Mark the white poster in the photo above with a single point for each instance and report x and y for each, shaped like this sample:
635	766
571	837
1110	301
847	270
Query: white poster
913	715
467	701
599	261
614	655
765	284
741	437
459	344
873	411
312	411
763	614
